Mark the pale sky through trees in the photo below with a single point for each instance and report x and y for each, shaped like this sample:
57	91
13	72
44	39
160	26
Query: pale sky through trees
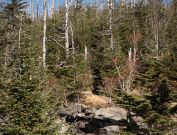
61	2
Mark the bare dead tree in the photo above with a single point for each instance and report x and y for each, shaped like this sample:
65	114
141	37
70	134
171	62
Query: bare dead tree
44	32
126	79
122	2
53	8
86	53
37	9
67	28
111	6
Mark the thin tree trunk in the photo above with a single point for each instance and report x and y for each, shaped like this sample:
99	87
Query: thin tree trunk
19	33
86	53
110	2
53	8
33	9
6	58
19	44
44	34
58	9
156	36
73	52
122	2
67	28
156	29
37	12
72	39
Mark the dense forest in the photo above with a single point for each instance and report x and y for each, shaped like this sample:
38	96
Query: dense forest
101	55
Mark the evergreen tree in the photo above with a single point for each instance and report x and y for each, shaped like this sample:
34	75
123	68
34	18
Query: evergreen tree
27	105
97	61
27	110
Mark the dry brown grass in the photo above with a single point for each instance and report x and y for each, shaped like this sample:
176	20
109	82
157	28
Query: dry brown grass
136	93
90	99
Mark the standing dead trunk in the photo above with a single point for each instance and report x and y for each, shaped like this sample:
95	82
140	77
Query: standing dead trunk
86	53
110	4
20	30
67	28
130	55
6	58
72	39
156	34
37	12
19	43
155	27
44	33
73	52
53	8
32	13
122	2
132	3
58	9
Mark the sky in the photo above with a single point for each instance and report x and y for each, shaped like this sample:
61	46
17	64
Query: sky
57	3
61	3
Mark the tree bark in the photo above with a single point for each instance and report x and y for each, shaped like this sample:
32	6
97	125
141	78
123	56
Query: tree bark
44	33
110	5
37	12
122	2
86	53
20	30
72	39
33	9
67	28
53	8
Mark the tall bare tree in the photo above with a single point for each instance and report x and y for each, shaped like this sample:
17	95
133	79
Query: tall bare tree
37	7
44	32
156	27
111	6
122	2
67	28
86	53
53	8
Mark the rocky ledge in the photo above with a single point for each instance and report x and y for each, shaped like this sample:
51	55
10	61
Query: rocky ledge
87	120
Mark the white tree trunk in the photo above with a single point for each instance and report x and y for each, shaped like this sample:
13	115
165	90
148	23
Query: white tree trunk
130	55
33	10
155	26
58	9
20	30
72	38
86	53
132	3
67	28
53	8
111	4
37	12
44	33
73	52
156	34
122	2
6	58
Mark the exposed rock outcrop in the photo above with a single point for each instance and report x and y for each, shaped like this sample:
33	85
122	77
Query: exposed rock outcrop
88	120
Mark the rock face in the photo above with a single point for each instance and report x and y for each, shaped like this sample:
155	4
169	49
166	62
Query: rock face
114	113
102	121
